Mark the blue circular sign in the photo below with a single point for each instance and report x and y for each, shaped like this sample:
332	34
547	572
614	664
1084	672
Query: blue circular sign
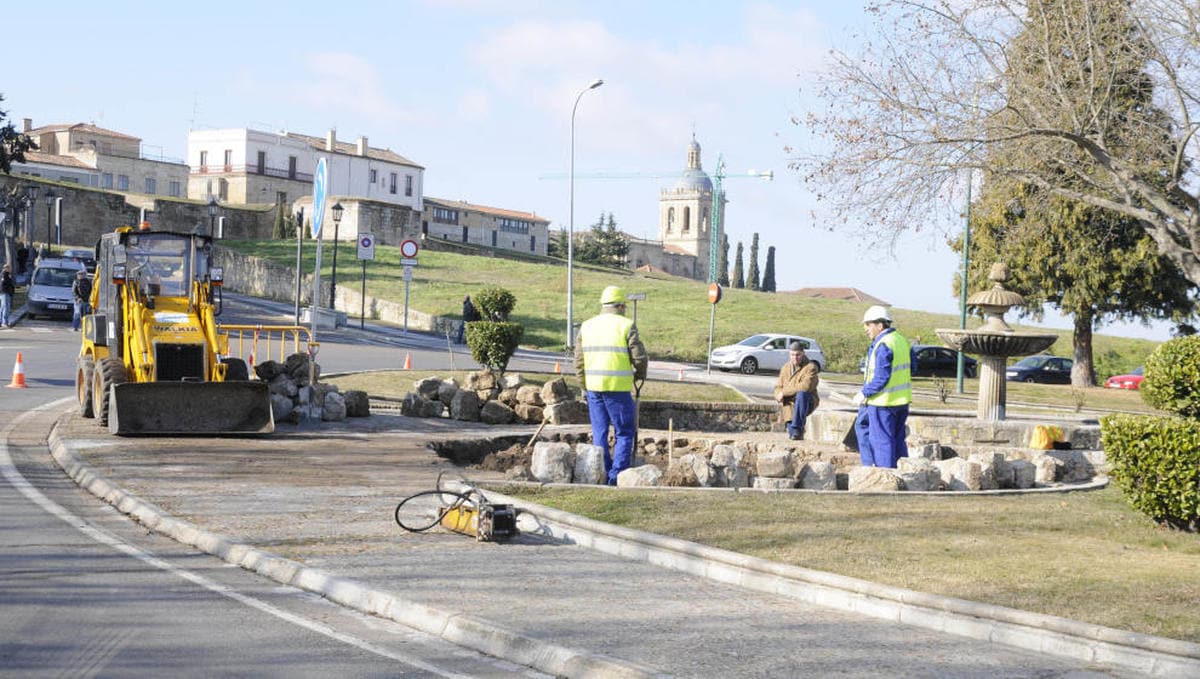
320	181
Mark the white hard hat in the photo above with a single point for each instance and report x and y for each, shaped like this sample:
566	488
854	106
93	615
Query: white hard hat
877	313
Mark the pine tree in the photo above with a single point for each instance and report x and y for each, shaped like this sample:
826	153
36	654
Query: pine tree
752	280
768	281
279	232
739	280
723	262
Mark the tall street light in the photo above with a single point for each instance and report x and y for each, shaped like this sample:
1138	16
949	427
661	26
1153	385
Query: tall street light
571	224
49	196
212	216
336	211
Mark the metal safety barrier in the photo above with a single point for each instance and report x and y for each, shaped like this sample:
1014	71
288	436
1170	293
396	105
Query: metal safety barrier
253	343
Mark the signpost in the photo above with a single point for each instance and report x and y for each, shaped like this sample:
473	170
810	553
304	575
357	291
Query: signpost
635	297
408	259
714	296
366	250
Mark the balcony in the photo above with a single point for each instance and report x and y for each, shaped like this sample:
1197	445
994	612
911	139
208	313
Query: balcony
275	172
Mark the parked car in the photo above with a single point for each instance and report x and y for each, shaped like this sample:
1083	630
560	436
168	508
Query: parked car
1133	380
935	361
768	351
1044	369
85	257
50	288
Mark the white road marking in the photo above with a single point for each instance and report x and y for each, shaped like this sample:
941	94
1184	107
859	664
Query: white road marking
23	486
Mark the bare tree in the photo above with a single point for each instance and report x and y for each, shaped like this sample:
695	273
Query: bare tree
943	82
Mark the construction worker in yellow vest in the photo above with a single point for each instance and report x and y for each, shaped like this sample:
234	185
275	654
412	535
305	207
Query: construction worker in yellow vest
886	392
609	356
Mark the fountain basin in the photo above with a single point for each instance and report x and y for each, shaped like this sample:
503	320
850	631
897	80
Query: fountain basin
1000	344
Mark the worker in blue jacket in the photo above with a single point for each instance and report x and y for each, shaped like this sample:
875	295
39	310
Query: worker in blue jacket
886	392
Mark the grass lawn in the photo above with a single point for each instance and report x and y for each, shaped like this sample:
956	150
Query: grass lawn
673	319
1085	555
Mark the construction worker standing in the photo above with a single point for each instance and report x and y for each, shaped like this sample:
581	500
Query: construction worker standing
886	393
609	357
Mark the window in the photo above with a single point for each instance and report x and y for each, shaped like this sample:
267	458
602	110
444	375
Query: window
704	221
494	234
408	184
464	231
291	167
151	185
262	162
374	174
687	220
670	219
122	182
174	189
533	243
441	214
106	180
204	161
228	160
392	186
513	225
222	189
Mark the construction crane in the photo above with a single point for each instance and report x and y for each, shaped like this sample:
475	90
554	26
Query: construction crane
718	197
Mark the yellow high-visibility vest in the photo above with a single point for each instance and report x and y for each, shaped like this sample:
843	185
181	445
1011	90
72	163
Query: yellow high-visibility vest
898	390
604	340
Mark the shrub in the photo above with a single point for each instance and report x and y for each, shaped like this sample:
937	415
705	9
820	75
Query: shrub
494	303
1156	462
1172	379
493	343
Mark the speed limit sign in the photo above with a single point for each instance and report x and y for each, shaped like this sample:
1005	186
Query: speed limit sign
366	246
408	248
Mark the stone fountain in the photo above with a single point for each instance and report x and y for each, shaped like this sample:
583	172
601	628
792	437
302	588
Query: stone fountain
994	342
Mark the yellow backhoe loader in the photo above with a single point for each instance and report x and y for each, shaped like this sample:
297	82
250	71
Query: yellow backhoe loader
153	360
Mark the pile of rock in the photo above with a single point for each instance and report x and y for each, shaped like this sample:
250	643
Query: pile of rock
296	394
486	398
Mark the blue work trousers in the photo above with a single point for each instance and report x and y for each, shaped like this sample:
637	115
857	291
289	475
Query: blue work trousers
5	307
615	408
801	409
880	432
77	316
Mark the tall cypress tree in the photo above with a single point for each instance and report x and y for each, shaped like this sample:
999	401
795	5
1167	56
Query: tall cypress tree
768	281
279	232
752	281
723	262
739	280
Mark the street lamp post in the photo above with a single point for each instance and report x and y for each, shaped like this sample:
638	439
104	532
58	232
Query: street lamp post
299	251
336	211
49	196
212	216
571	223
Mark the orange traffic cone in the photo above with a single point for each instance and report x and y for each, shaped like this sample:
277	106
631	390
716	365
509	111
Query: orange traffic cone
681	374
557	367
18	378
407	362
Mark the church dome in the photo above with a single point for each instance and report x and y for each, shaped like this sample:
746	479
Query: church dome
694	179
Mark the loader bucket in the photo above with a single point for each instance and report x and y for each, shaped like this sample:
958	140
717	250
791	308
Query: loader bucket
190	408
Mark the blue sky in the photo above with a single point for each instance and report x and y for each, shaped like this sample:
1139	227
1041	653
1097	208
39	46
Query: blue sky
479	92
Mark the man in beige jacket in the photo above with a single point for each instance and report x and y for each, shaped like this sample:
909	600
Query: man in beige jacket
796	391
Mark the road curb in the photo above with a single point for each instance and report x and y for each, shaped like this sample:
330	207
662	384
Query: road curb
1146	654
474	633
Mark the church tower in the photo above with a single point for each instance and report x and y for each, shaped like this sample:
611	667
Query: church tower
684	218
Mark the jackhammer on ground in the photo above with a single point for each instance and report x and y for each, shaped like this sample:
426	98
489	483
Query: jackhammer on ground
465	511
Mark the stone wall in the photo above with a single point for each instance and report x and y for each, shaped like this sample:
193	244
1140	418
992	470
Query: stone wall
706	416
837	426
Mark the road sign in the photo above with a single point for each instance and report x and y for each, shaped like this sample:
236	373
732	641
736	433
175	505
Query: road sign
407	274
636	296
408	263
409	248
714	293
320	184
366	246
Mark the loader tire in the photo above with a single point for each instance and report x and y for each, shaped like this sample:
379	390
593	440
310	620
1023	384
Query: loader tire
109	371
84	369
236	370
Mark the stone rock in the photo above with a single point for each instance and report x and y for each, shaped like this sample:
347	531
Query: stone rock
1047	469
495	412
529	395
555	391
480	380
1024	474
334	407
1074	465
269	370
776	463
817	475
320	391
412	405
428	387
988	462
919	473
281	407
773	483
874	479
357	403
519	473
432	408
511	380
725	455
553	462
930	450
465	406
638	477
729	466
680	474
701	469
297	367
508	397
528	413
566	412
283	385
589	464
959	474
446	391
485	395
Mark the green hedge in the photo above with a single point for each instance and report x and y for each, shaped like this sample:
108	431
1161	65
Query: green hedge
1172	379
1156	462
493	343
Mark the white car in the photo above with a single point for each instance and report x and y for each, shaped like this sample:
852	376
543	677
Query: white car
764	352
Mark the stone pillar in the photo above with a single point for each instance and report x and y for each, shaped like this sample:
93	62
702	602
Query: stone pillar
992	388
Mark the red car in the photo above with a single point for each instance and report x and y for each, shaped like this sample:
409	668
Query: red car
1131	381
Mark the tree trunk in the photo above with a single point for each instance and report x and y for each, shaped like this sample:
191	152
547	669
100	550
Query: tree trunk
1082	372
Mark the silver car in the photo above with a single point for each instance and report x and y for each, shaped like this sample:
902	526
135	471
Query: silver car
50	288
764	352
